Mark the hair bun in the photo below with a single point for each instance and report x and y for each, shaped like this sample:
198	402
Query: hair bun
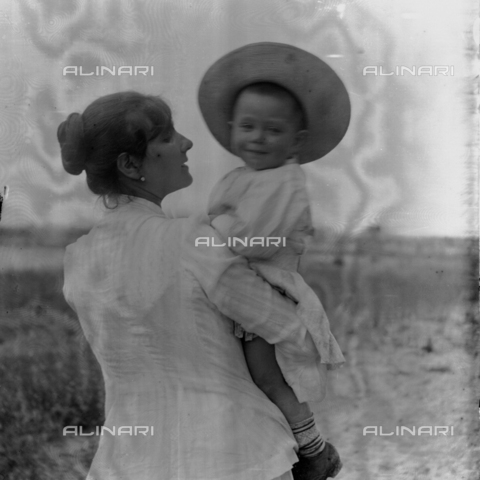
71	137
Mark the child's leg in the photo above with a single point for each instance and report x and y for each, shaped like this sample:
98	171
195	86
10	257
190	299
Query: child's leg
268	377
318	459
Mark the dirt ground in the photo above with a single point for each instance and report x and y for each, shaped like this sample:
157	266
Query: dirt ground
410	374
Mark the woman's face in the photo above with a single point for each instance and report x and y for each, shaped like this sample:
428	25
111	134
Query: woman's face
164	166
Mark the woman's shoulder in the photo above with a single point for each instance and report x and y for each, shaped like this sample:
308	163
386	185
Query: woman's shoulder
134	254
133	223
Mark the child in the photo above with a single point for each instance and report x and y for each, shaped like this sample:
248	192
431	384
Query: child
267	198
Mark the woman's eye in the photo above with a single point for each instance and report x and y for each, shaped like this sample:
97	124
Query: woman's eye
273	129
168	137
246	126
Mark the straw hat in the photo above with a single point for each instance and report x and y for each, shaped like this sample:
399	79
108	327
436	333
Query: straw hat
319	89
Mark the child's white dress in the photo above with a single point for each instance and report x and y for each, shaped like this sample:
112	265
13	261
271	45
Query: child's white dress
249	203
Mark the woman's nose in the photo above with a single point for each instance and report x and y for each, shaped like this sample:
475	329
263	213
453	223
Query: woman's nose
187	144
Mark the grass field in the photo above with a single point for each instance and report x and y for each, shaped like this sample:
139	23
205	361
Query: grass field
403	311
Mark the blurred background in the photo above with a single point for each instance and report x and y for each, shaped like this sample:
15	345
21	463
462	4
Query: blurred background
394	258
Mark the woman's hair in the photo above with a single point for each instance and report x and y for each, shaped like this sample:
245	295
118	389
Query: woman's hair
122	122
277	91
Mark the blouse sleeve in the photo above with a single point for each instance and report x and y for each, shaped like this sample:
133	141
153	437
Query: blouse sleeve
240	294
271	204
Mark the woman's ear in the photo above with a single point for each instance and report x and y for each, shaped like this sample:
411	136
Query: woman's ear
129	166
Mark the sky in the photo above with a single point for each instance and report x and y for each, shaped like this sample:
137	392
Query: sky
407	162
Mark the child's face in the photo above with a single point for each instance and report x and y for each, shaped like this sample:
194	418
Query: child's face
264	131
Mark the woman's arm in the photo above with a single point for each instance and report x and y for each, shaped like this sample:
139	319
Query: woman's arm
240	294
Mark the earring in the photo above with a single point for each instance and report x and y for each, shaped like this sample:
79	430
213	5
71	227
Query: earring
142	179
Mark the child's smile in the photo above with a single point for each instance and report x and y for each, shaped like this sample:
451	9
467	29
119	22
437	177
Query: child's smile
264	131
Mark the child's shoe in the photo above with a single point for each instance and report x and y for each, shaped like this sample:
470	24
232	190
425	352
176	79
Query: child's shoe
324	465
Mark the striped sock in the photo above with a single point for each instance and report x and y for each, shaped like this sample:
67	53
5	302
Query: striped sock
309	441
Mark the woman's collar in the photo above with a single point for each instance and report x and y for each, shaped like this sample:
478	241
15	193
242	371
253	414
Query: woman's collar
130	199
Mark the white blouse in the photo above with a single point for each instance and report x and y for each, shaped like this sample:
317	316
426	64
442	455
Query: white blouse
156	311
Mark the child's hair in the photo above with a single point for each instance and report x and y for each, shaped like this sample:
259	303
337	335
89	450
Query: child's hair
111	125
277	91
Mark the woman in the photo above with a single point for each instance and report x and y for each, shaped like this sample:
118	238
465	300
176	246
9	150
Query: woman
157	311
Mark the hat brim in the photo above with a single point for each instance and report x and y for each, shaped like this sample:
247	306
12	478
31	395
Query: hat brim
319	89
